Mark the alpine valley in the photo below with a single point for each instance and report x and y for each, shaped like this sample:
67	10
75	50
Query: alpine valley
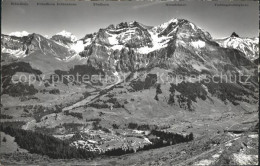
158	97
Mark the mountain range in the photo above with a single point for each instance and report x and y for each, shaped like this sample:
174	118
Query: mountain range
169	77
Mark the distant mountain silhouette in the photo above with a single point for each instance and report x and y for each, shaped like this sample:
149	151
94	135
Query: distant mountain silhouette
234	34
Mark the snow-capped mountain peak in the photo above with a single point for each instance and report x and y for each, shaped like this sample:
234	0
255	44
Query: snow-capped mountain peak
68	35
234	34
46	36
165	25
64	33
249	46
19	34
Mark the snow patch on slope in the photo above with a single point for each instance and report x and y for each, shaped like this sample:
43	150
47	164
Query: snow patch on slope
117	47
17	53
78	47
165	25
198	44
193	26
112	39
158	43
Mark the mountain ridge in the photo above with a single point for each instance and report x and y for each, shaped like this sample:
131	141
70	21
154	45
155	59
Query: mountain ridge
146	43
130	87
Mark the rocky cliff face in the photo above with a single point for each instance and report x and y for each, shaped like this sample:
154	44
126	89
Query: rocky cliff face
128	47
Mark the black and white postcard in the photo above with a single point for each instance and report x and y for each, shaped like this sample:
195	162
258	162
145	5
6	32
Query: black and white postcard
113	83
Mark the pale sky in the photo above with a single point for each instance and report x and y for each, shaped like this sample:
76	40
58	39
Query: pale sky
84	18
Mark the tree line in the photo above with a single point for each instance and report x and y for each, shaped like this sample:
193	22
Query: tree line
44	144
163	139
